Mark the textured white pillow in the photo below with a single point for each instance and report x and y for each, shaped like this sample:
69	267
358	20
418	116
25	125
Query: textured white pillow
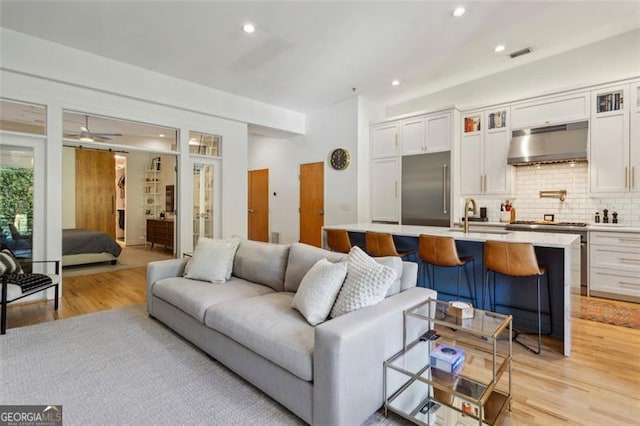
366	284
212	260
318	290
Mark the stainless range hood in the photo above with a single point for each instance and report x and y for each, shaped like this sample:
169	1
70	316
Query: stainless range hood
551	144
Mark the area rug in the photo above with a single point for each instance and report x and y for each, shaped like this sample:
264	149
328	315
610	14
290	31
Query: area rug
122	367
601	310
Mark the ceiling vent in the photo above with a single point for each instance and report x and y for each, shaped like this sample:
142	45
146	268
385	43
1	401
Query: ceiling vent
520	52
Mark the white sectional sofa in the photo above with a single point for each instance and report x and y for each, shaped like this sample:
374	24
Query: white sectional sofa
330	374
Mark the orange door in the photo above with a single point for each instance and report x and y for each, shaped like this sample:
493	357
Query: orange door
96	191
311	203
258	215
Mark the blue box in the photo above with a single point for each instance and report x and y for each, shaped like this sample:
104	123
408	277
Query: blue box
447	358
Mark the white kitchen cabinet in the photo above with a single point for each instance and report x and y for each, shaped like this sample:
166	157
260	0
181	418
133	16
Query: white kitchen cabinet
550	110
426	134
384	140
610	165
385	201
634	139
484	149
614	259
413	136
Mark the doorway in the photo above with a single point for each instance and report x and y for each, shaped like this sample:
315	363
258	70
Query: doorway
311	203
258	205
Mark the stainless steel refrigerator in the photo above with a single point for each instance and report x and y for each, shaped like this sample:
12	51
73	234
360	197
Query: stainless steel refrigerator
426	189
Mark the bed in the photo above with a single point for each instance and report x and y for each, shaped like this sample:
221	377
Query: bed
83	246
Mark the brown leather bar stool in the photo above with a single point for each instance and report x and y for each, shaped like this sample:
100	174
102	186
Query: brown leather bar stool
338	240
442	252
380	244
516	260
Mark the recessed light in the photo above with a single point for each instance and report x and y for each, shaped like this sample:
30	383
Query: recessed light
395	82
459	11
161	135
248	28
499	48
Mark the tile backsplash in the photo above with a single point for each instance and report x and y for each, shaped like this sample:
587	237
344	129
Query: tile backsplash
579	205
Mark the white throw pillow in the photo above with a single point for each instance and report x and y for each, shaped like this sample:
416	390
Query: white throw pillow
318	290
366	284
212	260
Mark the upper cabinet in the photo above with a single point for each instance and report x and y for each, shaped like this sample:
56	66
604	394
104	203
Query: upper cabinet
550	110
384	140
484	148
430	133
614	160
634	140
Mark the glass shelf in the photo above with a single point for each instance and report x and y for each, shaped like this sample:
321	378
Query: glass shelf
424	394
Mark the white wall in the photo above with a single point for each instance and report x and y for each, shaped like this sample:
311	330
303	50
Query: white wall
608	60
335	126
68	188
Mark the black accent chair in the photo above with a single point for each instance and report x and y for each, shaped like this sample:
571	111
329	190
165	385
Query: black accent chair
12	289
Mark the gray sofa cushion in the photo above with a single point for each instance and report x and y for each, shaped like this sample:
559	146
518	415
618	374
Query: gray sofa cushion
301	258
194	297
270	327
262	263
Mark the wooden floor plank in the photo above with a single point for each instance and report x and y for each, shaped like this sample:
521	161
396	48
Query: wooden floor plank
598	385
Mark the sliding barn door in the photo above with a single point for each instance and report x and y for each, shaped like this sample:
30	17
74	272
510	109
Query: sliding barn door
96	191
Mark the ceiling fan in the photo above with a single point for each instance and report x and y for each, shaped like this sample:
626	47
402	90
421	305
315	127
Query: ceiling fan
86	135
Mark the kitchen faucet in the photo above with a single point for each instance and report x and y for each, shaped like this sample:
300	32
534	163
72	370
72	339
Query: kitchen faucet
466	212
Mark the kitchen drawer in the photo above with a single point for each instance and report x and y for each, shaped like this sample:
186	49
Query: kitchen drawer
615	282
619	239
619	258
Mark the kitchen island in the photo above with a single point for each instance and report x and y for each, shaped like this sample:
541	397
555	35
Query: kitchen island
560	253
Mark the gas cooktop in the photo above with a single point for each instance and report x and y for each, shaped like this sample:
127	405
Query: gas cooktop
547	222
545	225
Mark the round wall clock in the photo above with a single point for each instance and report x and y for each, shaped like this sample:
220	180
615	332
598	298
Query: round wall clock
339	158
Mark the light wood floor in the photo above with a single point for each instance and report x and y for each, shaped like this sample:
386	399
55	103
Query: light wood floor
598	385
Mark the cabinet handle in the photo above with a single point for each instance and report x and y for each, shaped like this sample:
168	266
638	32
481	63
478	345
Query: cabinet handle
396	139
485	183
626	259
629	240
444	189
628	284
626	174
396	189
633	176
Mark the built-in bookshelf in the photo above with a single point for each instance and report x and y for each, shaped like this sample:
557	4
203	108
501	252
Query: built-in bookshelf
472	124
612	101
497	119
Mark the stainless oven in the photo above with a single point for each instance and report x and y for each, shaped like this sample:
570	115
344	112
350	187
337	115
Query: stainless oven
578	228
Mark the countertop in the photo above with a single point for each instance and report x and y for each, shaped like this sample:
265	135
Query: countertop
609	227
613	227
541	239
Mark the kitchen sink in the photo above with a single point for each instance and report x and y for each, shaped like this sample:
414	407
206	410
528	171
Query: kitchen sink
488	231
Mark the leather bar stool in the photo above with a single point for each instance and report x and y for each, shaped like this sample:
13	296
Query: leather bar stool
338	240
380	244
442	252
516	260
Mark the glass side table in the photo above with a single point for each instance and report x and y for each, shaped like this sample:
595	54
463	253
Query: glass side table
478	392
